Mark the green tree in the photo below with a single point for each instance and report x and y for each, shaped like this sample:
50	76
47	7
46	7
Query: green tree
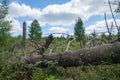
5	26
35	32
3	9
79	31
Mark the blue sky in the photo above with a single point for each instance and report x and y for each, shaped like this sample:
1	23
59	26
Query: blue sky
60	15
42	3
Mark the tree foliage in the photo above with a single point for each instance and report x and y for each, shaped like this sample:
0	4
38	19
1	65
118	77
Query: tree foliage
35	32
3	9
79	30
5	26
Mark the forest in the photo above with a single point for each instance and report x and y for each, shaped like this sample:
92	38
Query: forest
67	57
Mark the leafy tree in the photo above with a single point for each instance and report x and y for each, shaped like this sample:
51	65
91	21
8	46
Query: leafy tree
35	32
5	26
3	9
79	31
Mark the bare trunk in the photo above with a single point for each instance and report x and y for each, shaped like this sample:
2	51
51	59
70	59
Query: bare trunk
109	30
96	55
24	35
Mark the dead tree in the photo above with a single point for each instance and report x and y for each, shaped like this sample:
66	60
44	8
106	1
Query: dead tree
48	41
95	55
69	42
41	48
118	28
46	45
108	29
24	35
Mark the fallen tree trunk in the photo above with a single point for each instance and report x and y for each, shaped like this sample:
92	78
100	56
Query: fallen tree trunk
96	55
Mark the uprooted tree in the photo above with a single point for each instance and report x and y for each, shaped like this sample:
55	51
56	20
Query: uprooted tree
107	53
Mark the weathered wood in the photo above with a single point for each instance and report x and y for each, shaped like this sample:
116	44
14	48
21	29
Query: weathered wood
24	35
41	49
96	55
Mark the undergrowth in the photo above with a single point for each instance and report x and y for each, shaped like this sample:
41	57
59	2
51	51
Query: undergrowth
21	71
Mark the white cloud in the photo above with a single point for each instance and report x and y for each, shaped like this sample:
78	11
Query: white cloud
59	29
60	14
100	26
16	10
15	23
64	14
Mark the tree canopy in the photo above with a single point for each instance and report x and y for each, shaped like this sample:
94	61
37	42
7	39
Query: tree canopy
35	32
5	26
79	29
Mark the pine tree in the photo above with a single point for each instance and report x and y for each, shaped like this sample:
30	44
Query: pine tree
35	32
79	31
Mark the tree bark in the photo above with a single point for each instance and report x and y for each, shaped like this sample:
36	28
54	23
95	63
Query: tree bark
96	55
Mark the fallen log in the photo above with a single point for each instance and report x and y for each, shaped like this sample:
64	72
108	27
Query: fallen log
96	55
